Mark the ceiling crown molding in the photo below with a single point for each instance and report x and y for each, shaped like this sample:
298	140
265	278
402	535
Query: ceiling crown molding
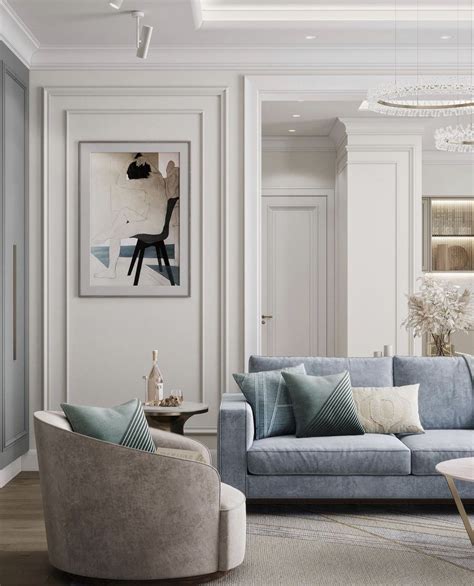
379	125
16	35
240	15
332	60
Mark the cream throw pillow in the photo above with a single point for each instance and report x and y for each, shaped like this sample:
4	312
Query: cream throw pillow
388	409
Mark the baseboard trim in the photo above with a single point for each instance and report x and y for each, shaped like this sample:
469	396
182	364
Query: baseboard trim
29	461
9	472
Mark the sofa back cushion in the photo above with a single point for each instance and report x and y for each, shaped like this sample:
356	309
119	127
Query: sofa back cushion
446	398
364	372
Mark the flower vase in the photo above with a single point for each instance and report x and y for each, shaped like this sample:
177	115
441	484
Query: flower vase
440	345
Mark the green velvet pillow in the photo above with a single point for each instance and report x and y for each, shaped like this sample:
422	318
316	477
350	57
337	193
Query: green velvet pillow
323	405
267	394
125	424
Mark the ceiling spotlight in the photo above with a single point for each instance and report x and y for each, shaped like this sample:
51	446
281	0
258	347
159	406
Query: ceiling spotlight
296	115
310	37
143	35
291	130
117	4
446	37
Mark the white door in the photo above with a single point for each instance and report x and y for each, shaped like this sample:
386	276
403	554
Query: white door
294	280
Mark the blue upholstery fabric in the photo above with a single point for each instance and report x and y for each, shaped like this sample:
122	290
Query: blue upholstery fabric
445	397
354	487
437	445
446	401
364	372
372	453
236	431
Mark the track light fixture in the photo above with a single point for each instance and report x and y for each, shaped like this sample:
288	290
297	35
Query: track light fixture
143	35
117	4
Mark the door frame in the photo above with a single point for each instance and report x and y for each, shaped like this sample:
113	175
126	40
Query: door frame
259	88
329	194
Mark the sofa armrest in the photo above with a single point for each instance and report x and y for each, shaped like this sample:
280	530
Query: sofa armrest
235	436
166	439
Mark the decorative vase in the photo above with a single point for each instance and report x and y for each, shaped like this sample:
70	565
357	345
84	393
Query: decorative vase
441	345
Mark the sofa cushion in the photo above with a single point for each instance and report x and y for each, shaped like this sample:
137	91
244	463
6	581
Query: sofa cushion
125	424
437	445
364	372
371	454
267	394
323	405
446	399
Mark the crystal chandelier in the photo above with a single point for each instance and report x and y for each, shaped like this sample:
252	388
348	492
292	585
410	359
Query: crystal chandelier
424	97
457	139
460	138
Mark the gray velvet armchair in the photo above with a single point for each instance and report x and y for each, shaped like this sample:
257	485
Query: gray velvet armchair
118	513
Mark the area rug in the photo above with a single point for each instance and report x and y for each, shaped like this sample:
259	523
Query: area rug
303	545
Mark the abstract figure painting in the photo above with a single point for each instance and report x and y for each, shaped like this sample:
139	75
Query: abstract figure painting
134	211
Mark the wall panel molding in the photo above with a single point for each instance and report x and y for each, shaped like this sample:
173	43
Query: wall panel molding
49	96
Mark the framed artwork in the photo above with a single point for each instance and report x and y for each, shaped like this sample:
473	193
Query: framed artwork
134	219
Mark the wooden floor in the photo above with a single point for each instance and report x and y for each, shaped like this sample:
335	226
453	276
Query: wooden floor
23	552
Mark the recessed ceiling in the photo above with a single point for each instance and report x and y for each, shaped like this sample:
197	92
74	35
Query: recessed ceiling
318	117
244	23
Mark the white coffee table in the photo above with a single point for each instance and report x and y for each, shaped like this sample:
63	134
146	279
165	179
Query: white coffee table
459	469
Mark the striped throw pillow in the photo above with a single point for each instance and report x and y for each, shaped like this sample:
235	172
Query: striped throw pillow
125	425
323	405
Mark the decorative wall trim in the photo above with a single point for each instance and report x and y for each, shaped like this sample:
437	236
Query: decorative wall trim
29	461
16	35
297	144
9	472
414	247
222	94
256	89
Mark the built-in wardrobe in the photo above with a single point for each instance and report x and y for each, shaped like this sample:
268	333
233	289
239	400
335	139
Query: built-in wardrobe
13	257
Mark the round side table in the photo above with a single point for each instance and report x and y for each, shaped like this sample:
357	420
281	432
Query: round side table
459	469
173	418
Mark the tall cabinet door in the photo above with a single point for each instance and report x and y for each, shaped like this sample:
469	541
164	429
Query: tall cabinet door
294	276
14	405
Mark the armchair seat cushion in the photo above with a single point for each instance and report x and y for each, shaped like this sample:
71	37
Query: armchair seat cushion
232	528
437	445
370	454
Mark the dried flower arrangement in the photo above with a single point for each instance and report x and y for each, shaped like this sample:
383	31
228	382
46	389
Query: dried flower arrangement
439	308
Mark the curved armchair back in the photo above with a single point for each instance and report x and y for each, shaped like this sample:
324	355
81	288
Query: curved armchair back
118	513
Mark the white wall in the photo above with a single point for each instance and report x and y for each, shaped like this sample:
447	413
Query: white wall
97	349
286	163
379	185
451	175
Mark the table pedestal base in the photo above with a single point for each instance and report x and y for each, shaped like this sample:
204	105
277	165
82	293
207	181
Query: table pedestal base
172	423
460	507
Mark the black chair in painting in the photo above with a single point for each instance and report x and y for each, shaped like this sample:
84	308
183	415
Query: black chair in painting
144	241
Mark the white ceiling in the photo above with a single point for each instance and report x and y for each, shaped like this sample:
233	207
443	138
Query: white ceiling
318	118
245	23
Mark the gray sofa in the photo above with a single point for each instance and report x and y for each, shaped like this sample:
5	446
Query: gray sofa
371	466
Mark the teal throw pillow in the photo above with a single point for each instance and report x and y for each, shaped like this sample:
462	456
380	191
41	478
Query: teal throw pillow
323	405
125	424
267	394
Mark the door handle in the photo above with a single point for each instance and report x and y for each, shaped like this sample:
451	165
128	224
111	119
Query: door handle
264	317
14	303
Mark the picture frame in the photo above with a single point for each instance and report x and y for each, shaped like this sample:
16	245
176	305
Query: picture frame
134	219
